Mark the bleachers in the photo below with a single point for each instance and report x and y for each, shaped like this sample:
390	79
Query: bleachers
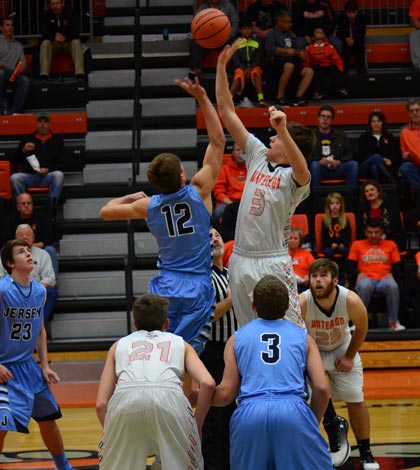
93	253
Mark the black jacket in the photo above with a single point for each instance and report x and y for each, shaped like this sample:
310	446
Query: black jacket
67	24
306	17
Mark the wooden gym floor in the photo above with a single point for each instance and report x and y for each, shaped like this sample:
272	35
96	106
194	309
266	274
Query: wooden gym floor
392	395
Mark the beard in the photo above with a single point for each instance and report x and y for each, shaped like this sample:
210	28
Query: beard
325	293
218	251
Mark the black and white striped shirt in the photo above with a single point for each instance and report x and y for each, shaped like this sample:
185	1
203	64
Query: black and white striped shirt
223	328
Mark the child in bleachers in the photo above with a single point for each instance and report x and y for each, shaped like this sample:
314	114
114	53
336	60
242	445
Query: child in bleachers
351	29
324	59
301	258
336	230
246	63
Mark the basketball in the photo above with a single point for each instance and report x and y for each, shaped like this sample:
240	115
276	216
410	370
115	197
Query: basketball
210	28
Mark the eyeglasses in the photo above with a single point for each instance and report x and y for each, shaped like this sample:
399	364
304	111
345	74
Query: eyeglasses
325	116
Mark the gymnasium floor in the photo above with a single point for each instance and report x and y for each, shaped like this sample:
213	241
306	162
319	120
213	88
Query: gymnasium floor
393	399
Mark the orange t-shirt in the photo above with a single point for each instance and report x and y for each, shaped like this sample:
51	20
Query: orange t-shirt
415	9
417	258
410	142
301	260
374	261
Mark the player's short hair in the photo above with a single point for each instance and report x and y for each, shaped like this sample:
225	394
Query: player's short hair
324	265
7	252
303	136
271	298
150	312
164	173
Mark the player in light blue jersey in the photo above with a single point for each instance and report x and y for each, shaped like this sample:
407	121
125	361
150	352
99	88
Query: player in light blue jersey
24	391
265	365
180	219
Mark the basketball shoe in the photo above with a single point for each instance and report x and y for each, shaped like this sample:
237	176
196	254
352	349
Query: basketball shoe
368	462
340	449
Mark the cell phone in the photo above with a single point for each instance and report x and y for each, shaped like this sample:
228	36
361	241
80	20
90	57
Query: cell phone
192	75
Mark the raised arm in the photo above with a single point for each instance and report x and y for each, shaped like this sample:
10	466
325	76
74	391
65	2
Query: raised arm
205	178
132	206
225	104
278	121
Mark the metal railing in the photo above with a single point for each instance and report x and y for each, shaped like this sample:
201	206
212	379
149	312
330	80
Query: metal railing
26	15
390	13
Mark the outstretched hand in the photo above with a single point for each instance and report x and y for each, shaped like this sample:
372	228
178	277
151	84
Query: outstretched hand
228	51
278	119
192	87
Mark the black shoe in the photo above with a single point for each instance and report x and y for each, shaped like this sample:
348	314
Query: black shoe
43	79
368	462
340	449
282	102
81	77
299	101
343	93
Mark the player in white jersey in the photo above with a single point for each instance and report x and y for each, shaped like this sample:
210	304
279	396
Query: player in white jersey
327	309
140	402
277	181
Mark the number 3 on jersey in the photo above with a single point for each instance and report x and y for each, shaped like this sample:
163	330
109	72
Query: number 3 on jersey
177	219
272	354
258	202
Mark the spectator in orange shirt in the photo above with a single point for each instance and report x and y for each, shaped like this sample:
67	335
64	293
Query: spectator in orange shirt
417	258
227	192
377	262
301	258
410	145
328	66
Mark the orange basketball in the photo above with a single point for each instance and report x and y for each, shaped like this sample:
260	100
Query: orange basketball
210	28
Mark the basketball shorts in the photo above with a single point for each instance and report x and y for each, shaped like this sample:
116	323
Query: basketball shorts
141	421
239	74
269	432
191	306
26	395
245	272
345	386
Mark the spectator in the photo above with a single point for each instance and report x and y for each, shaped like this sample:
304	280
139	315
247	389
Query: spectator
301	258
227	190
266	364
378	150
42	272
376	263
417	259
351	30
327	65
332	157
39	155
307	15
197	52
60	29
323	305
410	145
261	13
414	16
39	223
215	444
246	64
336	231
284	60
376	204
11	53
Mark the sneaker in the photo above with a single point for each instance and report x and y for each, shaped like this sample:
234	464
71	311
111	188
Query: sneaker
282	102
368	462
317	96
245	103
343	92
396	326
43	79
340	448
299	101
262	104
